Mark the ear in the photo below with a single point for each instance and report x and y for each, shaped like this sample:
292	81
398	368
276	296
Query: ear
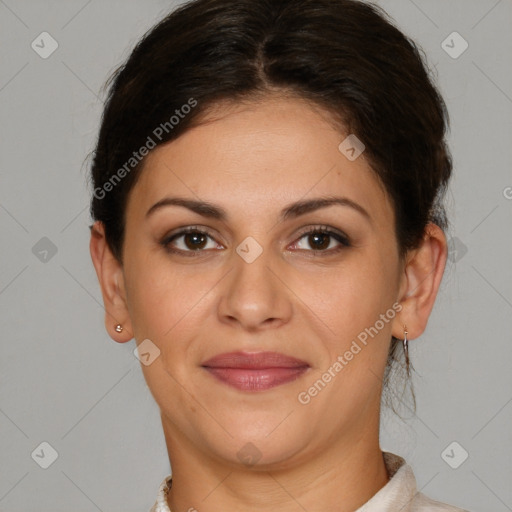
111	279
421	278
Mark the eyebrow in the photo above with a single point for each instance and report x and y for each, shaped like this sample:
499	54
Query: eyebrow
293	210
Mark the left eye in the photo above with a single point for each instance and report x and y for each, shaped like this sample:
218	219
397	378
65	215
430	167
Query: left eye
323	240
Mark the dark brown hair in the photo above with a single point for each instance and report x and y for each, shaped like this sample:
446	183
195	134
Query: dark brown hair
345	56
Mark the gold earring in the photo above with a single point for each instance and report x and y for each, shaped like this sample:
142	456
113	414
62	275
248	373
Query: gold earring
119	328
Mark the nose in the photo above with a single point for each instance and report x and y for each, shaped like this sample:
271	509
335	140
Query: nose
254	295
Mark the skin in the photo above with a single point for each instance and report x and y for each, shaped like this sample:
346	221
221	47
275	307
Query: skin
253	160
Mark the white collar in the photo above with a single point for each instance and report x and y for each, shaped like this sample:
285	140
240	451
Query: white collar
400	493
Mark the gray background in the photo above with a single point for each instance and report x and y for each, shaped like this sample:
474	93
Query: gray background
64	382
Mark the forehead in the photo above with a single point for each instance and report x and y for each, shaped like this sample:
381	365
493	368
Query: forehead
260	156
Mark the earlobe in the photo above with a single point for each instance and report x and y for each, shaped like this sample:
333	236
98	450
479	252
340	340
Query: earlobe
422	277
110	276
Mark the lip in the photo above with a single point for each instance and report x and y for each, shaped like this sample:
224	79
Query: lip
255	371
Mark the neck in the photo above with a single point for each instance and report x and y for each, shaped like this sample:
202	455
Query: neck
343	477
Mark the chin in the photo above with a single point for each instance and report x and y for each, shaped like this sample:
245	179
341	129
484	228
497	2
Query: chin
261	443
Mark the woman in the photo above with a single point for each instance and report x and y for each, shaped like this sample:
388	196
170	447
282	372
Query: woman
268	184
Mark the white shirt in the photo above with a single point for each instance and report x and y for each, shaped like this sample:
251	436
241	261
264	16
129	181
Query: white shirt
398	495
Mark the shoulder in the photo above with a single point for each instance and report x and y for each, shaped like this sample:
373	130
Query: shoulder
422	503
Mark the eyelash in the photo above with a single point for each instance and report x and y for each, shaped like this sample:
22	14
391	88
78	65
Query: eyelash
324	230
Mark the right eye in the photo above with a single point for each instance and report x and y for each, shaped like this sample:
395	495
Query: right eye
190	241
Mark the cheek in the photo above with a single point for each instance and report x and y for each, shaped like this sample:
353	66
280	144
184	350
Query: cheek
348	298
152	305
164	299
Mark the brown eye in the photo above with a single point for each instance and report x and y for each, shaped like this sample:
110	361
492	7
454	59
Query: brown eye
188	241
319	241
322	240
195	241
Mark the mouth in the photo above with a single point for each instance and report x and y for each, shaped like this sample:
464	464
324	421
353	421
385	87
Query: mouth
255	371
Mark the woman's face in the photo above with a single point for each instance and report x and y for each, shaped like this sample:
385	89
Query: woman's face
257	282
